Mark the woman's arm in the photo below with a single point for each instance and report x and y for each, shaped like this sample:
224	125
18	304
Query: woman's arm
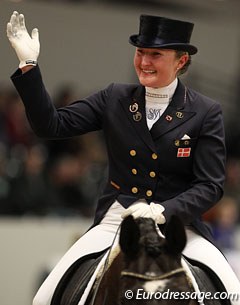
78	118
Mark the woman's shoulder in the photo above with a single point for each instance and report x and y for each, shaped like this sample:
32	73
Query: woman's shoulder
198	98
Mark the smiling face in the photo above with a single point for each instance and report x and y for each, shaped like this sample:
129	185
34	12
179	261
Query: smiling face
157	68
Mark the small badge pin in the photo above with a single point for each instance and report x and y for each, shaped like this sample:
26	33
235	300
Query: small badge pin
179	114
168	118
133	108
177	142
137	116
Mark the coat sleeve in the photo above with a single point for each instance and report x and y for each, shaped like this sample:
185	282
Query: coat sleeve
208	171
78	118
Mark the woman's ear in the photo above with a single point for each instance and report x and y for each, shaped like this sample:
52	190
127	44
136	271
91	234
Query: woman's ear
182	61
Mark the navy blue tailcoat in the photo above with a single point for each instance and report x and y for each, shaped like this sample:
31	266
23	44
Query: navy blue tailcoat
179	163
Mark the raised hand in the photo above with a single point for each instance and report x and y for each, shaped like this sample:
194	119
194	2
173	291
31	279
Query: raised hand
27	47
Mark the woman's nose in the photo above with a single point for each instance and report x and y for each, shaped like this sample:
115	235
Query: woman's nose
145	60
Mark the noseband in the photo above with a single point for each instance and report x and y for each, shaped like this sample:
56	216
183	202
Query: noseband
152	277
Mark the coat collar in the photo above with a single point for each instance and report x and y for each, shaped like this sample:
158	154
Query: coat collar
175	114
178	101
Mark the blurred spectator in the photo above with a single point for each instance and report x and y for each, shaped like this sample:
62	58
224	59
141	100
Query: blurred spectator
4	182
223	219
41	177
28	189
65	195
4	97
232	182
64	95
224	224
17	127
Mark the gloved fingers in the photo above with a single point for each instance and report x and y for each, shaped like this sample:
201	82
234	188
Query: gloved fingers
156	208
10	25
129	211
13	26
145	213
9	30
157	212
160	219
141	209
35	34
137	214
13	19
22	22
15	23
126	213
134	211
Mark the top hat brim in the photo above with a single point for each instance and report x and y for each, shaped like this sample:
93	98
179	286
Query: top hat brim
136	41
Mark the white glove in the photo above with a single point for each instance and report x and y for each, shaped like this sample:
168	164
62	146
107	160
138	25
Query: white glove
142	209
26	47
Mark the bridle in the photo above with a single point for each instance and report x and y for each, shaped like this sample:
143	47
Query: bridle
148	277
157	277
152	277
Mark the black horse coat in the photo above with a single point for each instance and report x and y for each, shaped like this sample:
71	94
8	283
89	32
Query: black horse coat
178	163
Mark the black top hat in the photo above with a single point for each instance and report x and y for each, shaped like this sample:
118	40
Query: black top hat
161	32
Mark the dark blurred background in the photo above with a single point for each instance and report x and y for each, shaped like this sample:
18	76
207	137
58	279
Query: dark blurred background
84	47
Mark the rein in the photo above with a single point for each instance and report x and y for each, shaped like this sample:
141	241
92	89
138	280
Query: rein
92	302
152	277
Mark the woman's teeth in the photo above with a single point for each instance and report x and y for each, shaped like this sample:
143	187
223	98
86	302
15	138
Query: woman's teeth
149	71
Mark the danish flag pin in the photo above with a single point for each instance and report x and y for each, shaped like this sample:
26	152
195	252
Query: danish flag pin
183	152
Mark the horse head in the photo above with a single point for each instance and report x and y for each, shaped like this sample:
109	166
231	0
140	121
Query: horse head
152	263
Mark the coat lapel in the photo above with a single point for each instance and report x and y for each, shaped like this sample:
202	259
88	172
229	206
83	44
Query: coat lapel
134	108
174	115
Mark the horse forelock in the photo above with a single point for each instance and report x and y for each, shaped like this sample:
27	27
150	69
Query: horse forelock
150	239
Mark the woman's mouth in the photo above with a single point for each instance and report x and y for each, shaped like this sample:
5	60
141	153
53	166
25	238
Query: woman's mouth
148	71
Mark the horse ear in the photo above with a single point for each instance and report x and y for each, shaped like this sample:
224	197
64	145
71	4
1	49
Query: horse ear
175	235
129	236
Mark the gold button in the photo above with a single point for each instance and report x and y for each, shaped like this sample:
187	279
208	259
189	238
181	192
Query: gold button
133	152
152	174
134	190
154	156
134	171
149	193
